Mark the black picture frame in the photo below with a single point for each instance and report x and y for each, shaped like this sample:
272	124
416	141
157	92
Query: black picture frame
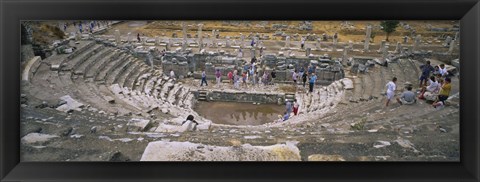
12	12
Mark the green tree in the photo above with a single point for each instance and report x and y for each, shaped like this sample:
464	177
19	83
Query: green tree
389	26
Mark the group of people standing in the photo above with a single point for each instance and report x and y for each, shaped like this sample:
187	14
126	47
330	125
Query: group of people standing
435	85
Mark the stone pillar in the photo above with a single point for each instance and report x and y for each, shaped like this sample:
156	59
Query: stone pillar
417	43
367	38
457	36
318	43
307	51
129	37
350	44
200	37
252	52
382	46
227	42
184	32
448	40
287	42
384	52
242	40
214	38
169	44
157	40
398	49
117	37
345	56
452	45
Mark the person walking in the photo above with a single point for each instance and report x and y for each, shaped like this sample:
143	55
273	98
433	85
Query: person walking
391	87
274	75
311	82
294	77
230	77
304	78
244	79
218	76
204	78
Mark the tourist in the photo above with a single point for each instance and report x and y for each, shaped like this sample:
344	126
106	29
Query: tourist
253	42
244	78
311	82
391	87
138	37
286	116
294	77
274	75
302	70
204	78
432	87
304	78
295	107
280	119
172	74
265	78
407	97
311	69
253	60
443	70
288	106
192	120
230	77
261	51
444	93
218	76
426	69
236	80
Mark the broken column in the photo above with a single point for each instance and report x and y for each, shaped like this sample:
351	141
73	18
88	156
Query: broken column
448	40
184	32
200	37
384	53
417	43
227	42
129	37
307	51
242	39
345	56
214	38
318	44
252	52
117	37
350	44
398	49
367	38
382	46
287	42
452	45
157	40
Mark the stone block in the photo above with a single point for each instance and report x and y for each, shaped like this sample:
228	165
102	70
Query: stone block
136	124
187	151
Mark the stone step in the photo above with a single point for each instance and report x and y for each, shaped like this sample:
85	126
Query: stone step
120	79
81	69
135	74
112	65
92	71
116	71
71	64
124	80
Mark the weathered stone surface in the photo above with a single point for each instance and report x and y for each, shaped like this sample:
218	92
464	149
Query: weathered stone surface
321	157
348	84
71	105
186	151
37	137
136	124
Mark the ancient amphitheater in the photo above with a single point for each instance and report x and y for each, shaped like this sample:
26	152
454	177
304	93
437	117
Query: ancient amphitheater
111	99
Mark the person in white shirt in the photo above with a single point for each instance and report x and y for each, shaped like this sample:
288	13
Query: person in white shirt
443	70
391	87
432	87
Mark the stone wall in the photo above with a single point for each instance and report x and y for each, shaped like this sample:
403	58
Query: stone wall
226	96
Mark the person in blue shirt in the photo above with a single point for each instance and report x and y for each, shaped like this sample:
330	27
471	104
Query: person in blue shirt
426	70
311	69
311	82
204	78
